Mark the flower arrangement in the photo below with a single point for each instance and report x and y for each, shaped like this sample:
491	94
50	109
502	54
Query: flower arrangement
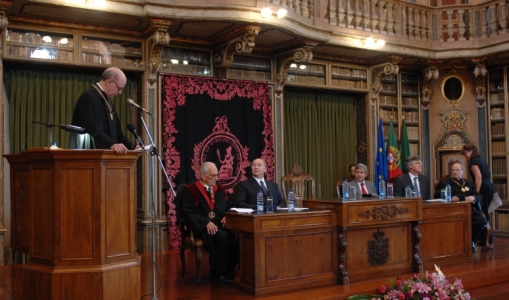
432	287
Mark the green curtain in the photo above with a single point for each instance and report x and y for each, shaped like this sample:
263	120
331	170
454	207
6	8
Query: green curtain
49	97
319	135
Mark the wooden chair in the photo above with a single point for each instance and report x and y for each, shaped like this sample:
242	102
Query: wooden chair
187	237
298	183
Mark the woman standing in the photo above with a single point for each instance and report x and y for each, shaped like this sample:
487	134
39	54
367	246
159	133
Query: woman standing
481	176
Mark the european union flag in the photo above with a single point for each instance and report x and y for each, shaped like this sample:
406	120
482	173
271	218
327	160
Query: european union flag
381	158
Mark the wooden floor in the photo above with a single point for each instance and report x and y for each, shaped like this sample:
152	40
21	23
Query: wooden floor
486	277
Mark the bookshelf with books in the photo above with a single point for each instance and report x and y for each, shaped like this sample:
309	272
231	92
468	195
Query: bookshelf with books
497	99
399	100
186	61
250	68
307	74
345	77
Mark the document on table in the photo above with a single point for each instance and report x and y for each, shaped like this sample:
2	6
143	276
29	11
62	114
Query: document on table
242	210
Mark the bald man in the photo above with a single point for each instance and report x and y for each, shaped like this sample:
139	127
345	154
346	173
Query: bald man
95	112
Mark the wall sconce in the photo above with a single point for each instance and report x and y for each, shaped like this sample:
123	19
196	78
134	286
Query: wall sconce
267	12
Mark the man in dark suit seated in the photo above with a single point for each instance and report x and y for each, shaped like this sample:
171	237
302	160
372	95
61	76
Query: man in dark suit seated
464	190
417	182
362	186
204	204
248	189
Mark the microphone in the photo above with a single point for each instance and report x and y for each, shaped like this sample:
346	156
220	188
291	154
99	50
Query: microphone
130	101
132	129
68	128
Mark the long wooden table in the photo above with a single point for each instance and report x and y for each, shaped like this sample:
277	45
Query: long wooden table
376	236
285	251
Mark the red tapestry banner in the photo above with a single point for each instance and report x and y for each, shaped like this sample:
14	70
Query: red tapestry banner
228	122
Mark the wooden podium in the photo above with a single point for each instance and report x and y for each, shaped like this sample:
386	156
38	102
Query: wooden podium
74	211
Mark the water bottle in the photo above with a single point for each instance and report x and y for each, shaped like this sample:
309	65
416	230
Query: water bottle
408	191
448	193
259	202
346	189
291	201
381	189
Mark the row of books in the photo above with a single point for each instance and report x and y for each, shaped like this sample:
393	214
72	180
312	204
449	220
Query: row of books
411	117
389	88
409	89
306	79
498	130
497	113
349	84
501	189
502	220
499	168
496	85
348	72
497	98
498	148
408	101
412	132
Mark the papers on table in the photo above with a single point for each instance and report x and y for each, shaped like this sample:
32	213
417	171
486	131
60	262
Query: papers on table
243	210
435	200
296	209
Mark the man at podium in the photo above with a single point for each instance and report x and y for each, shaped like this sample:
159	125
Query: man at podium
95	112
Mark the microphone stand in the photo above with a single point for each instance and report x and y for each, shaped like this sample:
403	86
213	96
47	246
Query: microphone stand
153	152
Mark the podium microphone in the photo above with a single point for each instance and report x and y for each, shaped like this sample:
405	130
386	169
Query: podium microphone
132	129
68	128
131	102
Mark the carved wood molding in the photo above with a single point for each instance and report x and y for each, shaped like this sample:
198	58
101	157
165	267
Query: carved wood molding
391	68
429	73
156	42
480	73
243	44
299	55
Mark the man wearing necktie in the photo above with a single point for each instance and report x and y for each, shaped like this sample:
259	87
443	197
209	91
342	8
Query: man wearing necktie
248	189
362	186
205	204
417	181
464	190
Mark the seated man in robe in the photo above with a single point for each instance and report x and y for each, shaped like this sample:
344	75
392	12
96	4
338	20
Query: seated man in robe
464	190
204	204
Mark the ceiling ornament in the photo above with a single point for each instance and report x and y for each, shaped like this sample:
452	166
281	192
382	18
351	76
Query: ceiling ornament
299	55
429	73
156	42
243	44
378	72
480	73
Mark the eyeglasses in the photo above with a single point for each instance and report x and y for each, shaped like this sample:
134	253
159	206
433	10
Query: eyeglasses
119	88
212	175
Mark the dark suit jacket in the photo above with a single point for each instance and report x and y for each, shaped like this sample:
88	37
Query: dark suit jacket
248	189
403	180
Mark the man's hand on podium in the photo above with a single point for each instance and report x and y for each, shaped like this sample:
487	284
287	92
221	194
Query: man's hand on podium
119	148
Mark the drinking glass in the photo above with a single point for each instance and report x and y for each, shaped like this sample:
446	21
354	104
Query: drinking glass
390	190
353	193
270	204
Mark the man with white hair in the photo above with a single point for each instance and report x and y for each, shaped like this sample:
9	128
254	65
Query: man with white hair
205	204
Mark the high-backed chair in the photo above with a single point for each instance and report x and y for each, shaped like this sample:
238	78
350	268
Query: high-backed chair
298	180
187	237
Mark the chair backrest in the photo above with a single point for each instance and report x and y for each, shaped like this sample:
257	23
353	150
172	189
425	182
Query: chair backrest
186	233
298	183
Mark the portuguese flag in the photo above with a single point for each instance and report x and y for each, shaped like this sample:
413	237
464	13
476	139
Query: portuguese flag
393	157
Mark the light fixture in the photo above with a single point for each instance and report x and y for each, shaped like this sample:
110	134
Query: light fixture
293	66
185	62
47	39
64	41
174	61
266	12
281	13
370	42
302	67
